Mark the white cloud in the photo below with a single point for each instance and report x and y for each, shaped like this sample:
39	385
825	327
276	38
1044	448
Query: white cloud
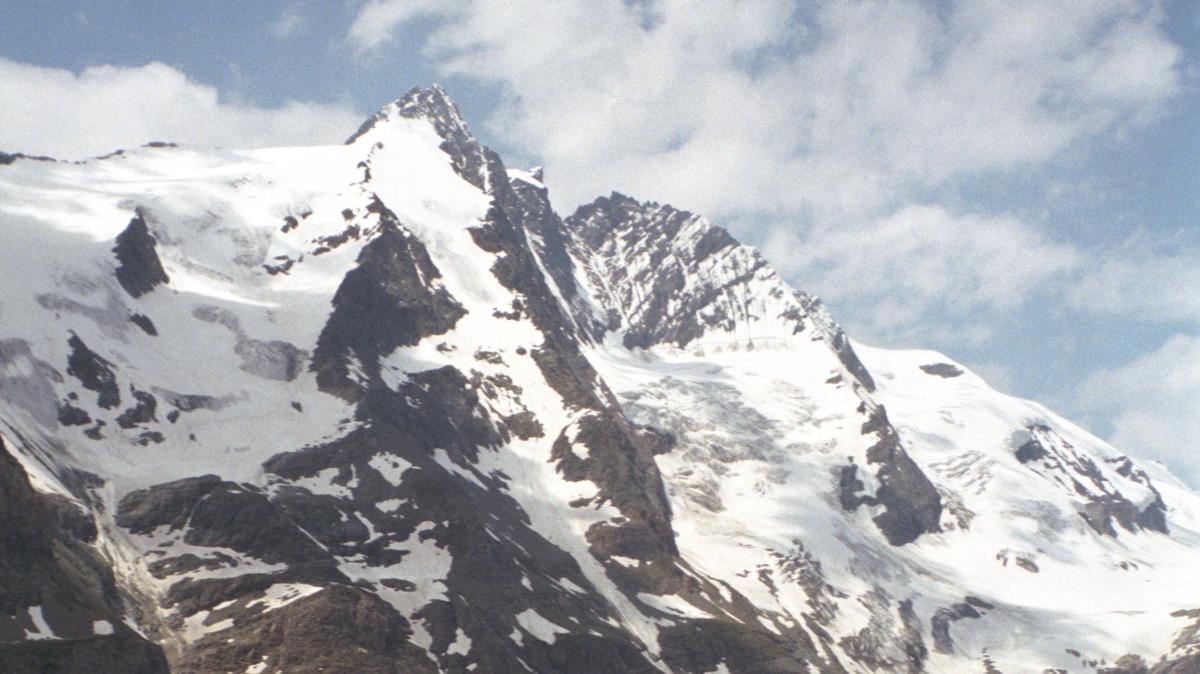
1153	404
377	21
290	22
731	105
925	268
999	377
1138	280
61	114
835	115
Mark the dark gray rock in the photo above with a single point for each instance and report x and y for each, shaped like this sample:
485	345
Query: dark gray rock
139	270
144	322
1104	506
338	630
944	370
943	618
94	372
912	505
69	415
384	302
48	561
143	411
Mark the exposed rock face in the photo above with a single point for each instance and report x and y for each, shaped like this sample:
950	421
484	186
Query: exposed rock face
911	503
945	370
339	629
94	372
972	608
1101	488
1183	657
139	269
389	300
414	421
54	585
650	254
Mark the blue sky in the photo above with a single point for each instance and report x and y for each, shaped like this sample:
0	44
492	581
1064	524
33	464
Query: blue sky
1013	183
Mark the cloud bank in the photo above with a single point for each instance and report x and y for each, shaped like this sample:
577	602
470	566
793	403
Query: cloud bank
1153	404
73	116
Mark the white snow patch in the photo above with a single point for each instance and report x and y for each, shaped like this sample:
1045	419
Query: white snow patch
322	483
390	466
539	627
461	644
41	629
570	585
102	627
194	626
282	594
444	461
390	504
672	604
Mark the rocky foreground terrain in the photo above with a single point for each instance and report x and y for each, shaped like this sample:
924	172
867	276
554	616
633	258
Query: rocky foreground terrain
379	408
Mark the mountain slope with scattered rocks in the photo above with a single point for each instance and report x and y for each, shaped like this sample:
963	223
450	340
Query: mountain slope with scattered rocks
377	407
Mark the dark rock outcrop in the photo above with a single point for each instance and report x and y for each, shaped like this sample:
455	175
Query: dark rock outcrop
49	566
912	505
144	322
388	300
139	270
1102	502
339	629
944	370
94	372
939	625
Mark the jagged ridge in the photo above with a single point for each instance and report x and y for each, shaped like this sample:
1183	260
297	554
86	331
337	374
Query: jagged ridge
613	442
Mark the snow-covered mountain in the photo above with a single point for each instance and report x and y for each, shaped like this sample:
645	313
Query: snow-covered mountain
378	408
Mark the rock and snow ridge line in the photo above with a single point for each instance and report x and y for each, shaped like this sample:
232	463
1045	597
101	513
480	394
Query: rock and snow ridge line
421	406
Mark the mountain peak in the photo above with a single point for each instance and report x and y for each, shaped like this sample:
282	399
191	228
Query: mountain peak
430	103
388	411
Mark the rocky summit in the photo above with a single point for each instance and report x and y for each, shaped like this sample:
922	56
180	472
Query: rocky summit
378	408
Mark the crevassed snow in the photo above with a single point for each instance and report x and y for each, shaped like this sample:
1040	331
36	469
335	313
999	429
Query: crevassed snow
760	433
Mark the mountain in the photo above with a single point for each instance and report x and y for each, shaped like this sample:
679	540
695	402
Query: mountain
377	407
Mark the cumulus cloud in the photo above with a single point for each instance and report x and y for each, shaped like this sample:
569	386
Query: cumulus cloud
829	119
106	107
926	267
1153	404
732	105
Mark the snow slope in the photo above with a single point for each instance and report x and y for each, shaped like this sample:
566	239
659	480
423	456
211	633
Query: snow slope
377	406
